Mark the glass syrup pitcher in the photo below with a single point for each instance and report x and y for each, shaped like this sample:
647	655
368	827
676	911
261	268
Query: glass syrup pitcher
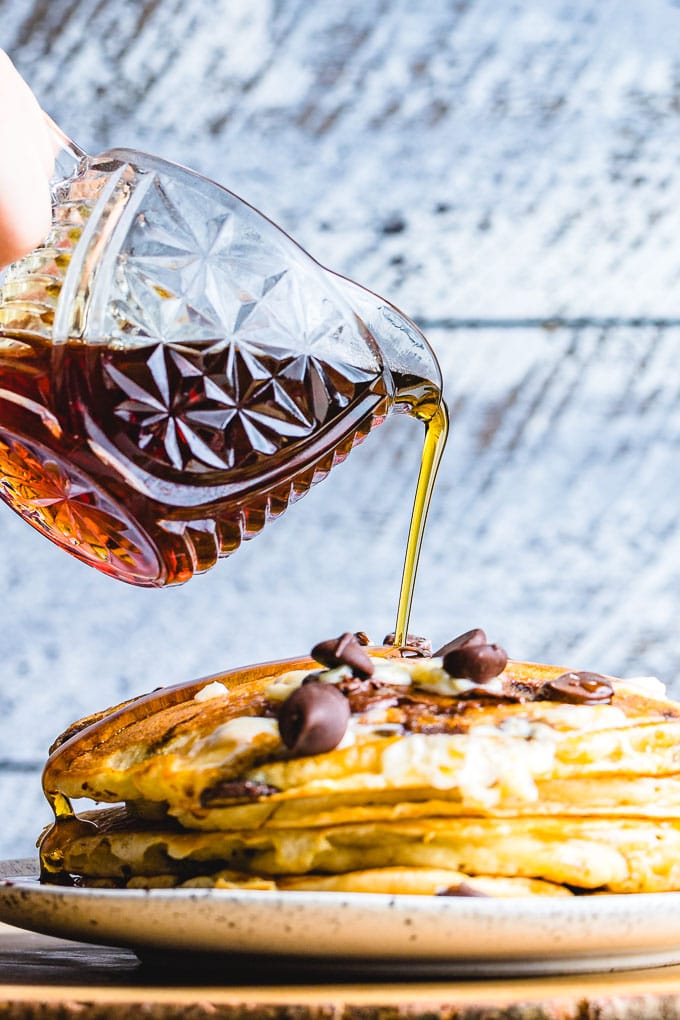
175	370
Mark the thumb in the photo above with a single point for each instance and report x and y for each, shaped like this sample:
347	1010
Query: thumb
26	163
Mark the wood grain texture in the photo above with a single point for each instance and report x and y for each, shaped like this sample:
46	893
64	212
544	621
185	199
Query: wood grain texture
43	978
488	167
469	158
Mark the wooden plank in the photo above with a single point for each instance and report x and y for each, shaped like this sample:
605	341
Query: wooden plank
44	977
469	159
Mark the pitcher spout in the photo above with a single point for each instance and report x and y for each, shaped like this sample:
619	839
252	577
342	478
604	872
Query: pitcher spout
405	352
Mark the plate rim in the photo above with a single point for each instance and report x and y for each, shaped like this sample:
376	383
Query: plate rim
454	936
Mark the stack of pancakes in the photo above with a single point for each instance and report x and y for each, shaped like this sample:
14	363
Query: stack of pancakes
377	770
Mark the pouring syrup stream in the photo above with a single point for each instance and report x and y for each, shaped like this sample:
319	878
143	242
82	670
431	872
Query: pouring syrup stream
435	417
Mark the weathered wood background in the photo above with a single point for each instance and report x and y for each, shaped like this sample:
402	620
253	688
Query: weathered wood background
509	174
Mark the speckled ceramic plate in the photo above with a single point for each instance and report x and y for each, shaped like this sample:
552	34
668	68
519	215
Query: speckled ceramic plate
362	933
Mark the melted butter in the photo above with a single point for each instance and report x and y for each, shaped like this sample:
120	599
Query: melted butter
242	730
395	673
284	685
210	691
484	766
584	718
430	675
650	686
426	674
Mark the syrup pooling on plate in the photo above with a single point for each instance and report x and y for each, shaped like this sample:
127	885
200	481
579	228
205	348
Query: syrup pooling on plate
51	854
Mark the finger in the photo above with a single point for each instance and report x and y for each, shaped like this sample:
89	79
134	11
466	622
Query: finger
26	162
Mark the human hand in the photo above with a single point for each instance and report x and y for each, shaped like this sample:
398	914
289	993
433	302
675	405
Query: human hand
26	164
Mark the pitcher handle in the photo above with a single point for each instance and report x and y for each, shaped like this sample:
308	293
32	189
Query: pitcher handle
68	157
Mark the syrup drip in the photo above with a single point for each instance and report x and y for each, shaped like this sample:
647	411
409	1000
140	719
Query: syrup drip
435	416
66	826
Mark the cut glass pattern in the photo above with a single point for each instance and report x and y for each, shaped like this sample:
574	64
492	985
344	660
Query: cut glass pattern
197	264
232	347
66	506
223	407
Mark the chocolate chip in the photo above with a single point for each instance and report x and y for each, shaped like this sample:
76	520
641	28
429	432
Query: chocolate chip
364	695
476	662
470	637
463	889
482	693
236	789
344	651
414	647
313	719
578	689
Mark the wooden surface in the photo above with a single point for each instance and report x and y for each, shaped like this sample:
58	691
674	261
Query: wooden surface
41	977
506	173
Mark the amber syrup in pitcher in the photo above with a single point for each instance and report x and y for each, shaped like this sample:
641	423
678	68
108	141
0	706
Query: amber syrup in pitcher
151	461
120	453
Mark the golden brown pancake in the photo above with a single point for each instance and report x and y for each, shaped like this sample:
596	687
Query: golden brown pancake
628	855
537	779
